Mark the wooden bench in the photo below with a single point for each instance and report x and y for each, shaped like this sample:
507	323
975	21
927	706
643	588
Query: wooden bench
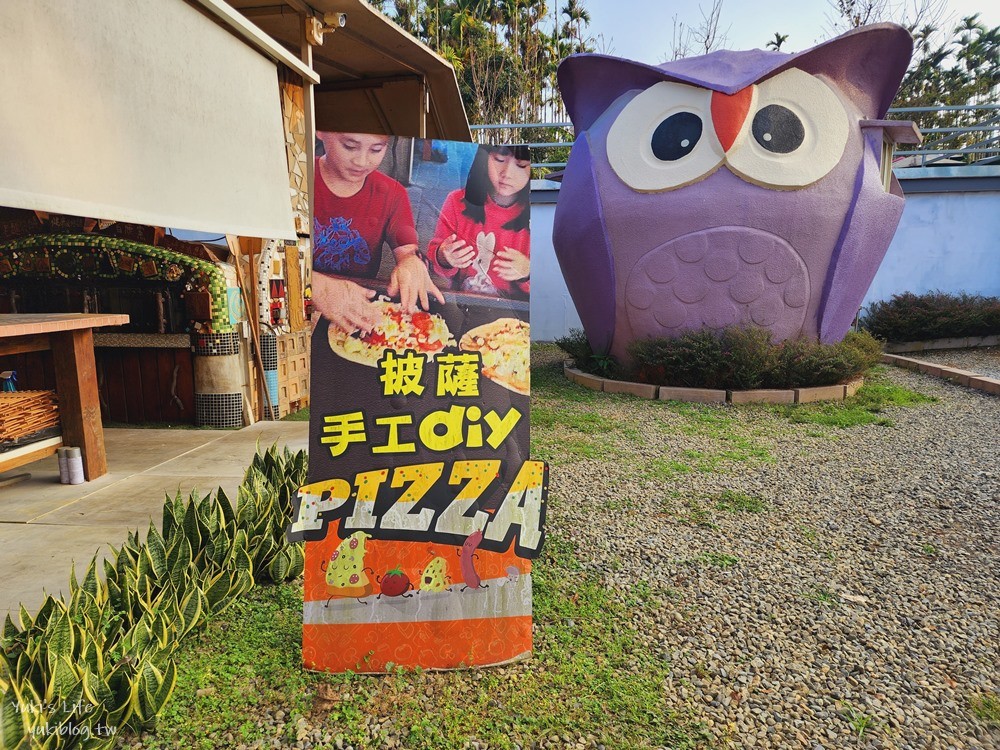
71	339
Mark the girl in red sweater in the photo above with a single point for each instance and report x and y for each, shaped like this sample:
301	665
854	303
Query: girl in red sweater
482	241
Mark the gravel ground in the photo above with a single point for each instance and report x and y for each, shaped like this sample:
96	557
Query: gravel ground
985	361
865	598
859	609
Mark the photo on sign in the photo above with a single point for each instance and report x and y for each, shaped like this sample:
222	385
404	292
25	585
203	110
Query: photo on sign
423	509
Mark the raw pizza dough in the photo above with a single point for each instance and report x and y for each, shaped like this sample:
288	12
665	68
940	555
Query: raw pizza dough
425	333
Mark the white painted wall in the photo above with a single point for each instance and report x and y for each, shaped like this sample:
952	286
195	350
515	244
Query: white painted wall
552	309
947	241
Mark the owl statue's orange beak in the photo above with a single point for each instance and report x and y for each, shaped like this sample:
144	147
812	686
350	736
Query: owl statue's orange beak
728	113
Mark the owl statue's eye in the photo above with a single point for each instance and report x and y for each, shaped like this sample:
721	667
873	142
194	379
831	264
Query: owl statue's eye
661	140
778	129
676	137
794	135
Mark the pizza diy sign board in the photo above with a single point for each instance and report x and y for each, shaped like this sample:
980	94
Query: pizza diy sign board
423	511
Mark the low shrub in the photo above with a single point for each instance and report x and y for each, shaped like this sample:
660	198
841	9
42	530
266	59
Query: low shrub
101	660
802	363
744	358
576	345
693	360
934	315
264	508
747	357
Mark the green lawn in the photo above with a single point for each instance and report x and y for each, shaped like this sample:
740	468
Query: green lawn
591	677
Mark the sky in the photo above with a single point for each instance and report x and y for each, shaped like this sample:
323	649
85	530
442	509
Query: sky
643	29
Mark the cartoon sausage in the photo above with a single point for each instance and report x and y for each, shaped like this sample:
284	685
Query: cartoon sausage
466	556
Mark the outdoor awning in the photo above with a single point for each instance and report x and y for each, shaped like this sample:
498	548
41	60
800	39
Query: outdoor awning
376	78
137	111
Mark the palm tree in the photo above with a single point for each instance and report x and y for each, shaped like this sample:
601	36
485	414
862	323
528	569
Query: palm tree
576	17
405	15
502	51
778	40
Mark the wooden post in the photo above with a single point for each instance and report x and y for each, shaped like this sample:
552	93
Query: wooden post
423	102
293	278
309	108
80	408
235	247
252	249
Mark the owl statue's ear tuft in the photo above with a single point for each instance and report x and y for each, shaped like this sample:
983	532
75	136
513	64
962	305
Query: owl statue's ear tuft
589	83
868	64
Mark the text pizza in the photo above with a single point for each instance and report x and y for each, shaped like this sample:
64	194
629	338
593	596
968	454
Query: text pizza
436	502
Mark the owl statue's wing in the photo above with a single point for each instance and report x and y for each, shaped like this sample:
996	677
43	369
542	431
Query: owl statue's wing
864	239
580	238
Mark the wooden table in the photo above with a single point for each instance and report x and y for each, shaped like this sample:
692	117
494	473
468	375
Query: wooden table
70	336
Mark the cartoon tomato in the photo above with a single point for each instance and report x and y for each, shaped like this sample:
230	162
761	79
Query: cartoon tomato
395	583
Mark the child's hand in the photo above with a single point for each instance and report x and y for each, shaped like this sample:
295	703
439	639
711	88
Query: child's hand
512	265
412	281
456	253
345	304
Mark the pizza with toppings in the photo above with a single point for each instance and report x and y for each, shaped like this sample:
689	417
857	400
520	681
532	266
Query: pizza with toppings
504	348
424	332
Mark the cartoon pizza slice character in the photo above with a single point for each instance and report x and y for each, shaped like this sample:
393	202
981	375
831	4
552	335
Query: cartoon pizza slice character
346	575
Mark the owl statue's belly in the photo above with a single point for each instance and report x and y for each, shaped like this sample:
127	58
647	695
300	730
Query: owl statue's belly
716	278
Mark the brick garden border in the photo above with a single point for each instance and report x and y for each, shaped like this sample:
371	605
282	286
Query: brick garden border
953	374
965	378
970	342
712	396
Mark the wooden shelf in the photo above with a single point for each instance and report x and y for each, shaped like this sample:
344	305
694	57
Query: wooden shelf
27	454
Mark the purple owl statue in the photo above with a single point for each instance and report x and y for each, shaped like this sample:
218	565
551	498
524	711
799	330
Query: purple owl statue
736	188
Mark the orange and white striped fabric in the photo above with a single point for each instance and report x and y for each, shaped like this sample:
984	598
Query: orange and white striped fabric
434	621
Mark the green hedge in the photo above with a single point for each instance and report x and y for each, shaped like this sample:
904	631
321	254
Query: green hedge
744	358
935	315
100	662
735	358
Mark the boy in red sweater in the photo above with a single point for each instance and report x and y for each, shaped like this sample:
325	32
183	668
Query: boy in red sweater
357	210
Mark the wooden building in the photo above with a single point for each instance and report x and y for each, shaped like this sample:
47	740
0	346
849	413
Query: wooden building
123	121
